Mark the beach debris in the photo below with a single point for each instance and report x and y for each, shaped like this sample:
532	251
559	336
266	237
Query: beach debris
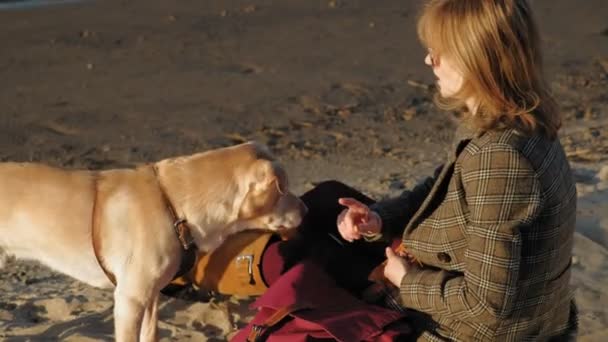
396	185
397	152
588	114
310	185
337	135
90	66
249	9
356	89
311	104
61	103
584	175
344	112
603	62
603	173
250	68
60	129
371	24
592	154
394	181
306	153
302	124
273	132
602	186
420	85
409	113
236	138
585	189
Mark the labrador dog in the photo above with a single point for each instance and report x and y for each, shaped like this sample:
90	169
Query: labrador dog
132	228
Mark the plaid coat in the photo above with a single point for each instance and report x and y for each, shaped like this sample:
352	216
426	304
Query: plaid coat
494	231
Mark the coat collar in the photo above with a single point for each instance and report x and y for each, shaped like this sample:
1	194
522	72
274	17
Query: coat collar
465	132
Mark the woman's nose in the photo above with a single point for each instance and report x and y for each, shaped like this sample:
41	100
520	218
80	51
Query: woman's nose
428	60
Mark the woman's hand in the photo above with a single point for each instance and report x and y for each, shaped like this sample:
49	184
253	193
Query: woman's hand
357	219
396	267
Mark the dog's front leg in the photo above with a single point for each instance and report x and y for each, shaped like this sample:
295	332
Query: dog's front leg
129	308
150	321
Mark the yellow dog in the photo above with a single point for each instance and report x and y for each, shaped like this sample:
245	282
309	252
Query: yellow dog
132	227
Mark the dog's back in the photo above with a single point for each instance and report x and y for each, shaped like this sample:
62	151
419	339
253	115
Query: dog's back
45	215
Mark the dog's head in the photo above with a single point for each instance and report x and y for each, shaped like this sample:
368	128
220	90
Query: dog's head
268	202
236	187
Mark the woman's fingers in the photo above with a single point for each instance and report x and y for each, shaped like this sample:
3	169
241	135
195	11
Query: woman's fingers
354	205
396	267
371	225
344	225
351	226
353	220
367	226
347	225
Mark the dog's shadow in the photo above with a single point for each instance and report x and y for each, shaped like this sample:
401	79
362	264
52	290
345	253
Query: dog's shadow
177	319
100	326
95	325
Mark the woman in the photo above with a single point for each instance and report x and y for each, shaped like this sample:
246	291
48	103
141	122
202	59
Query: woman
493	230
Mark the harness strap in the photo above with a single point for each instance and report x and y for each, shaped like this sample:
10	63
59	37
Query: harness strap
180	226
96	236
182	230
257	331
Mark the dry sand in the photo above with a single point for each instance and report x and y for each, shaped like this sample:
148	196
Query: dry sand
336	88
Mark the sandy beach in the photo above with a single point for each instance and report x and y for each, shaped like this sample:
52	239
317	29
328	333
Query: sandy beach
336	88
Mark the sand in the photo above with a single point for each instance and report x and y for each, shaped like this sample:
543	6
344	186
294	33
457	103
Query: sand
337	89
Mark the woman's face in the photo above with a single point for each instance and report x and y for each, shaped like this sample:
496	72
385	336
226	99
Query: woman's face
449	78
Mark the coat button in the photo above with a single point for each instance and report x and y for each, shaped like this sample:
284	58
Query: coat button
444	257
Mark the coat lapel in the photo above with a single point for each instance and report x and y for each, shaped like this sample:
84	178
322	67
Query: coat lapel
462	137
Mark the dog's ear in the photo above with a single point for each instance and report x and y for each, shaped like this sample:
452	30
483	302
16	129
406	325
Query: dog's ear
267	184
268	175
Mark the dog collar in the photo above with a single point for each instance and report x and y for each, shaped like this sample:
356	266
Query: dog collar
180	225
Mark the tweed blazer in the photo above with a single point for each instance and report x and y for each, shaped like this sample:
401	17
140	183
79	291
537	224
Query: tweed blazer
495	235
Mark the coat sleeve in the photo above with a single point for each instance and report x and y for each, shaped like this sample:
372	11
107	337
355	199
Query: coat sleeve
396	212
504	197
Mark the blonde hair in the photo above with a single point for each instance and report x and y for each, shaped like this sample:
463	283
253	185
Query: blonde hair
496	46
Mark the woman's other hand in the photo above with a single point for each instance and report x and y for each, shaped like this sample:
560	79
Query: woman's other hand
396	267
357	220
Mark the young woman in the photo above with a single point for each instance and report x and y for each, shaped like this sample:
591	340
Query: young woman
491	232
494	232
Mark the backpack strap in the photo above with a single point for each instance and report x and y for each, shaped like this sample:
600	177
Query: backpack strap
258	331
